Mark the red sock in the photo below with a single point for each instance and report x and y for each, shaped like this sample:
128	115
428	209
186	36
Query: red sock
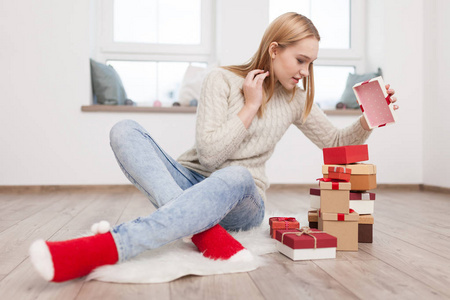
66	260
217	243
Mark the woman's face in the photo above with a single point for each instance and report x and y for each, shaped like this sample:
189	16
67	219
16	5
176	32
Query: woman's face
291	64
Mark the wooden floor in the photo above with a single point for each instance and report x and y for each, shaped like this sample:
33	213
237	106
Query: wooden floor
409	259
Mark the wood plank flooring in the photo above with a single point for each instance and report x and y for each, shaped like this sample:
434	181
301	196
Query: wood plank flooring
409	258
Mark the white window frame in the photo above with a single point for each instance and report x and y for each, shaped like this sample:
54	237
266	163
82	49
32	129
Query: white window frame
355	55
108	49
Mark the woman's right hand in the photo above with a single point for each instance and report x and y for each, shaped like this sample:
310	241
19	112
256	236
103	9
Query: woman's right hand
253	88
253	95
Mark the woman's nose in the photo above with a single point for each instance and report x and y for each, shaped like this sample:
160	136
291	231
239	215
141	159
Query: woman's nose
304	73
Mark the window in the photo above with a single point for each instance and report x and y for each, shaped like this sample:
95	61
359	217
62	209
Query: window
340	25
151	43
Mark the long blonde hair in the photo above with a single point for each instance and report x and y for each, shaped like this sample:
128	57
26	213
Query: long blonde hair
286	30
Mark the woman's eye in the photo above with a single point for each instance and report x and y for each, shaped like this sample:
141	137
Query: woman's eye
300	61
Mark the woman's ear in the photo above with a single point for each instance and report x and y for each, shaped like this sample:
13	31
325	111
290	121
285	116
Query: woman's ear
273	49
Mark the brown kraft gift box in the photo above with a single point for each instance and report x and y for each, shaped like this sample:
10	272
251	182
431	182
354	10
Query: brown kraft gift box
362	178
334	199
342	226
365	229
313	219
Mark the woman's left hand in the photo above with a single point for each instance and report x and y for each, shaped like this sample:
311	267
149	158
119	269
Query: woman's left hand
391	93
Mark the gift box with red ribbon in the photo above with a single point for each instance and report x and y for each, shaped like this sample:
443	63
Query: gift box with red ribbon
334	195
362	203
362	178
343	226
334	184
345	154
277	223
306	243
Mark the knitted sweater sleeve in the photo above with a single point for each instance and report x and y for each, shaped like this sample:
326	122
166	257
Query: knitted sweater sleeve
218	133
324	134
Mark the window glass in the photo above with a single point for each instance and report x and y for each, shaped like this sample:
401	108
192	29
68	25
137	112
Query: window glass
157	21
329	84
331	18
148	81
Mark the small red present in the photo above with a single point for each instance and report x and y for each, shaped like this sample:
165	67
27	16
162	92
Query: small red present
345	154
341	173
306	243
362	178
282	223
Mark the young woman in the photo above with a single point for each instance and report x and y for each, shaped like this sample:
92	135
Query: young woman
220	183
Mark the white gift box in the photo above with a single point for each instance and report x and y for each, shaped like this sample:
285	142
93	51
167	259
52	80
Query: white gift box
306	254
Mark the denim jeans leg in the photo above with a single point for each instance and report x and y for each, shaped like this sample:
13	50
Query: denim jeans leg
147	166
229	195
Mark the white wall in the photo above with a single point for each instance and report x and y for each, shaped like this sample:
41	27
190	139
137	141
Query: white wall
394	43
46	139
436	99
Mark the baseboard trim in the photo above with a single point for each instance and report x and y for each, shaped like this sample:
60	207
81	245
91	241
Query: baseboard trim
382	186
66	188
131	188
434	188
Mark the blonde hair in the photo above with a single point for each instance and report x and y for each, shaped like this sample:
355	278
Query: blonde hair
286	30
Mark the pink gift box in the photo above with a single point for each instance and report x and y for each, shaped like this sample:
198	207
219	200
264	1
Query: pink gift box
375	102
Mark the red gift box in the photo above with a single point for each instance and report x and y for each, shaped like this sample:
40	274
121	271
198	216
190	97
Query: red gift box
341	173
282	223
345	154
306	243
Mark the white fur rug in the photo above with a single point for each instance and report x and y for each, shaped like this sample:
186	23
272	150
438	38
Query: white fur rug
179	259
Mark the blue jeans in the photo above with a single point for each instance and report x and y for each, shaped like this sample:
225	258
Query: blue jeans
187	203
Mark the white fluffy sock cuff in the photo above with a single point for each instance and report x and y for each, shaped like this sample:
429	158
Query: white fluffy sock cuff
42	259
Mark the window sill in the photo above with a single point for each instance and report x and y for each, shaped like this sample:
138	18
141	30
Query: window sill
139	109
186	109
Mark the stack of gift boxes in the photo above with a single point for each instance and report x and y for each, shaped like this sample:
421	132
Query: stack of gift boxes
343	208
301	243
343	168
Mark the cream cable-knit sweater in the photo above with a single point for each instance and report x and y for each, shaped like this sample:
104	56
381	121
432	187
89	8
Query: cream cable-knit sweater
222	139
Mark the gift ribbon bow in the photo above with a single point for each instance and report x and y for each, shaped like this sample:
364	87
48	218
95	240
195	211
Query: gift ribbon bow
340	216
304	230
286	220
334	182
341	169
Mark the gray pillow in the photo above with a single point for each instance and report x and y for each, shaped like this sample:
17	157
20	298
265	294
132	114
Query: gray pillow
348	98
106	84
